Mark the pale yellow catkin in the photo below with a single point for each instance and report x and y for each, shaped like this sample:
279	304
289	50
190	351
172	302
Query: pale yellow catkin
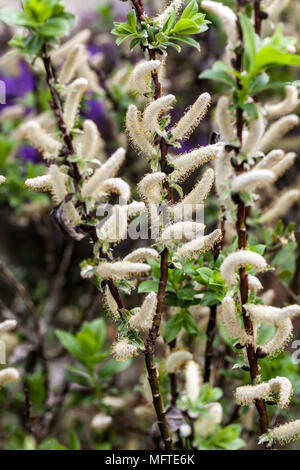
142	320
281	206
224	120
286	106
75	93
122	350
141	75
176	359
9	375
136	132
117	186
191	118
189	162
277	130
193	380
71	64
154	111
141	254
121	269
164	16
281	337
286	432
199	245
252	179
40	183
238	259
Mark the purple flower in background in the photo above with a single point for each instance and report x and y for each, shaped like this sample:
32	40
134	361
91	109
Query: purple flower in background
95	110
18	86
29	154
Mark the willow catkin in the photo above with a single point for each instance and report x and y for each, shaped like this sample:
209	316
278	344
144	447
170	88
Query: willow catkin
199	245
142	319
136	132
7	325
101	422
185	164
75	93
192	380
91	142
283	165
239	259
271	159
154	111
177	359
121	269
196	197
123	350
252	179
249	393
115	228
285	433
191	118
284	388
229	318
117	186
111	304
285	106
79	38
224	120
254	135
266	313
150	187
184	231
141	75
40	183
164	16
93	185
9	375
277	130
227	18
281	206
41	140
71	64
281	337
141	254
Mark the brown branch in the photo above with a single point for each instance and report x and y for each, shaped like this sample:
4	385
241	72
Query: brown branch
210	336
154	331
257	17
241	227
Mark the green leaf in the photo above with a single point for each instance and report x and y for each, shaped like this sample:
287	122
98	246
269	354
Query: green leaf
173	327
190	324
131	20
58	26
74	441
187	40
15	17
219	76
112	367
269	57
148	286
186	26
70	343
249	37
190	10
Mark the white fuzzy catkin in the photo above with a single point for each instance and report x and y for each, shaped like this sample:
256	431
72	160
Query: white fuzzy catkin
286	106
224	120
121	269
254	135
40	183
281	206
141	75
2	179
184	231
79	38
229	318
41	140
277	130
191	118
227	18
189	162
286	432
266	313
91	142
101	422
275	7
268	162
85	71
7	325
111	304
115	228
59	192
164	16
281	167
199	245
137	132
71	64
247	394
150	188
283	386
239	259
252	179
254	283
93	185
123	350
282	336
196	197
176	359
11	113
193	380
9	375
117	186
223	171
75	93
135	208
141	254
142	320
154	111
